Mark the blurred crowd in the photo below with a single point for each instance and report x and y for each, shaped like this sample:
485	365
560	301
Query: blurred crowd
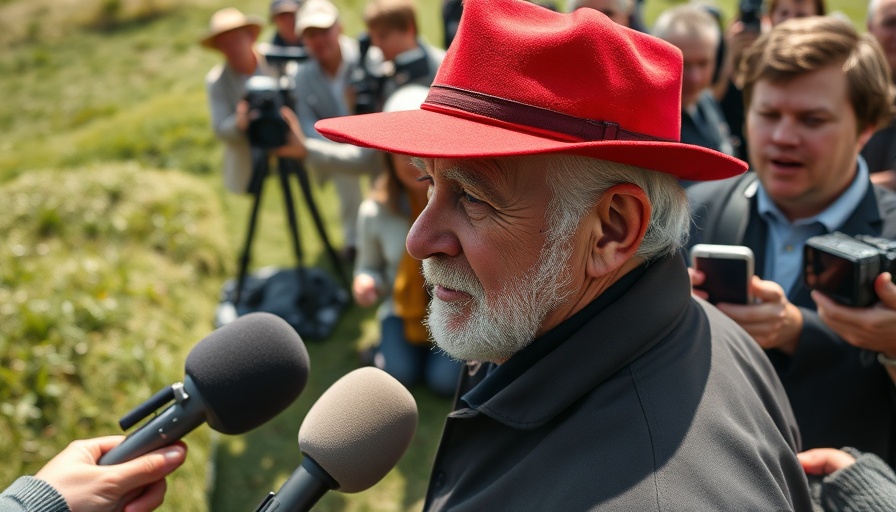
787	86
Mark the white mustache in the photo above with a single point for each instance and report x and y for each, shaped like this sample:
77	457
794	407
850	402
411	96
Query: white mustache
439	272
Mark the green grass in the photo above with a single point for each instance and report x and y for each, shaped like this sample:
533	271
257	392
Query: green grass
116	235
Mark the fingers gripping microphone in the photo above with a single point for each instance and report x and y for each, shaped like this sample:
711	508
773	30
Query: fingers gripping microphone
352	436
237	378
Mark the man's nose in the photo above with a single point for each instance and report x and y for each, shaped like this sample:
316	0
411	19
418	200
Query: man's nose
785	132
433	233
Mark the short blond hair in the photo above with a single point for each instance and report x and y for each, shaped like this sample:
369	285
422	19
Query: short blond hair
802	45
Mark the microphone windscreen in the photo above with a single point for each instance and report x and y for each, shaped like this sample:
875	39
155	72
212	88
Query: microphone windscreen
359	428
248	371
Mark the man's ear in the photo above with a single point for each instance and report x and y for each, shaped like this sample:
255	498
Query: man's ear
619	221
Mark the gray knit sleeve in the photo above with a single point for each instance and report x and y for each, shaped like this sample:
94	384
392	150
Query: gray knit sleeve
868	485
29	494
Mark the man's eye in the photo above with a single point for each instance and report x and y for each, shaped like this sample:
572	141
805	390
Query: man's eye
471	198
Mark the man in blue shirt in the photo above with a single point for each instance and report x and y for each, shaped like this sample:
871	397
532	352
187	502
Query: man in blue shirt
815	91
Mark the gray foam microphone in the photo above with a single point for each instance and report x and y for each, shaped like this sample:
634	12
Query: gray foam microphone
353	435
237	378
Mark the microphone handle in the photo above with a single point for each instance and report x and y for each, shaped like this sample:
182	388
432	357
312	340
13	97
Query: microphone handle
173	423
307	484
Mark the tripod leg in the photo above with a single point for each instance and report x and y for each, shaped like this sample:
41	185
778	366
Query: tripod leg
259	172
305	184
284	167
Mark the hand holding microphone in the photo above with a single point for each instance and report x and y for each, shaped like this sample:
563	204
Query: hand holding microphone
353	435
237	378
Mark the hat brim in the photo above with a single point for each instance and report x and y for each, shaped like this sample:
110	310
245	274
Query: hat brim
252	22
429	134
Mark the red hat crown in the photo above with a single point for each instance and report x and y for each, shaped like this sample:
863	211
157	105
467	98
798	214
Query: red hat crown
529	55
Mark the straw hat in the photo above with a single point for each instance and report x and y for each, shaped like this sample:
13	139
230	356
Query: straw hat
520	79
228	19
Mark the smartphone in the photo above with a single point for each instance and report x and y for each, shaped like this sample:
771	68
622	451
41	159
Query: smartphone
728	270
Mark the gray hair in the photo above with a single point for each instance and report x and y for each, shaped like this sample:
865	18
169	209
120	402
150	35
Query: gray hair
690	20
577	182
622	5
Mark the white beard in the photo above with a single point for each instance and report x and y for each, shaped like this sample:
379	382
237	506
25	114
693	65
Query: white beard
496	329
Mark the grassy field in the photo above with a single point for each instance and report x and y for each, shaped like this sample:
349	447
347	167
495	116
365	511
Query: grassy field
116	235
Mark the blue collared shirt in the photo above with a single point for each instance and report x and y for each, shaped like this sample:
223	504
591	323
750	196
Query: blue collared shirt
784	250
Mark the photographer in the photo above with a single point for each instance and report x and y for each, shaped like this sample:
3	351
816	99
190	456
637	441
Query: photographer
320	93
392	25
808	116
234	34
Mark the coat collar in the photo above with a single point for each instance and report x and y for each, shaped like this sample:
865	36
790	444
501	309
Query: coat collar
608	342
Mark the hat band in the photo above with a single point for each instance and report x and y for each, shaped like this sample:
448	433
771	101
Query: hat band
527	117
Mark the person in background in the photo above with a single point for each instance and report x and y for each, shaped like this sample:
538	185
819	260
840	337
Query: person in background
233	34
321	86
880	152
620	11
392	27
780	11
283	16
73	481
738	38
696	33
385	271
551	245
815	91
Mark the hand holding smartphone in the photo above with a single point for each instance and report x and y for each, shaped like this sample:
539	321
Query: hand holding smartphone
728	270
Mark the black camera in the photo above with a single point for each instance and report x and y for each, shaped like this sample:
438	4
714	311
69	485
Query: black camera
369	85
750	14
845	267
265	95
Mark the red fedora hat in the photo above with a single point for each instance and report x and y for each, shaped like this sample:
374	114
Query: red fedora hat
520	79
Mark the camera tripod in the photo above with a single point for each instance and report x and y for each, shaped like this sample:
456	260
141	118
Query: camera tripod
285	167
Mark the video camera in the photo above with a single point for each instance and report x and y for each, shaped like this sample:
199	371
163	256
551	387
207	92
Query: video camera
266	95
845	267
369	85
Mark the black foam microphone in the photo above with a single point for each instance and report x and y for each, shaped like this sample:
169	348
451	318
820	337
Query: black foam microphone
352	436
237	378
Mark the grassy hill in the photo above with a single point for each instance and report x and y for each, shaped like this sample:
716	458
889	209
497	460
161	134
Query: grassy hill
116	235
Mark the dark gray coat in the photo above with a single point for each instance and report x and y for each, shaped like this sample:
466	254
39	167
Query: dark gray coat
658	403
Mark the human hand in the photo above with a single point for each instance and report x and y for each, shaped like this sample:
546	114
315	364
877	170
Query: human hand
364	290
872	328
824	461
295	138
772	321
134	486
697	279
242	115
884	179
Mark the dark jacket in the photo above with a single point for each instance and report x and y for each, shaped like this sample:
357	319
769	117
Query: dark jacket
707	127
658	403
840	394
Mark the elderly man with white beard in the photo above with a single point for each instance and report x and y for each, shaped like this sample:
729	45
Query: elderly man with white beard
551	245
